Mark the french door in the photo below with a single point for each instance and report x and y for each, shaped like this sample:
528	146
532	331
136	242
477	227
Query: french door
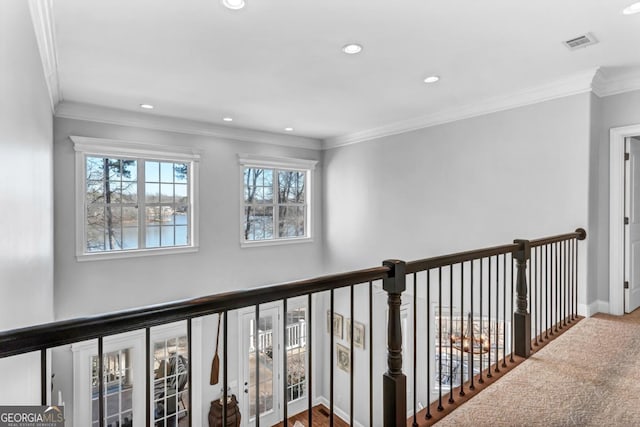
263	341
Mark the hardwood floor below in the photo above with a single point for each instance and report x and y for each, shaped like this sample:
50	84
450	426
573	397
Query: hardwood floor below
320	417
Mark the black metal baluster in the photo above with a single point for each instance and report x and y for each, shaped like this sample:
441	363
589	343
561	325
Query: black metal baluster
429	343
147	359
497	329
540	300
564	283
480	379
225	367
573	291
285	369
351	355
440	407
534	293
415	347
309	372
548	300
256	341
331	361
189	371
43	377
101	382
450	332
576	270
489	374
471	342
462	337
370	354
504	310
557	312
512	309
530	293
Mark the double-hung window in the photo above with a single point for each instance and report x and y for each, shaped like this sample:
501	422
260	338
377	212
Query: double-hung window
133	198
276	200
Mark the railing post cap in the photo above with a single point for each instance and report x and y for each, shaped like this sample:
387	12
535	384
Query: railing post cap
582	233
396	282
524	251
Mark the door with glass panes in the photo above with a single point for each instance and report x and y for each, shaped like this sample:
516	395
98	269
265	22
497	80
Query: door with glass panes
264	342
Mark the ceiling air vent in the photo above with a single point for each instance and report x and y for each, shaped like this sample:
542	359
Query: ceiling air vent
581	41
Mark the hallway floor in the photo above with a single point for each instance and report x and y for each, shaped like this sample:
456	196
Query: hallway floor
588	376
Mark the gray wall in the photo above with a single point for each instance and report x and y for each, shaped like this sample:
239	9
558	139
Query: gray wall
26	245
220	265
615	111
522	173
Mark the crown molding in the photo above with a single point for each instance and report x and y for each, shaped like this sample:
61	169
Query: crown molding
99	114
44	28
607	83
570	85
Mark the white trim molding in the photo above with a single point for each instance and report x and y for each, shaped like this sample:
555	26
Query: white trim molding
44	28
606	83
593	308
279	163
84	146
617	138
99	114
567	86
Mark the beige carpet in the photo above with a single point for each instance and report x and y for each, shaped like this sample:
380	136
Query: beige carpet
589	376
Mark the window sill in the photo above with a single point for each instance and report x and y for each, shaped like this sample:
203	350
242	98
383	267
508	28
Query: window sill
275	242
136	253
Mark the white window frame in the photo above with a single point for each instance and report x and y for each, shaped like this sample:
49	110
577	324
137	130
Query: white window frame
82	353
281	163
85	146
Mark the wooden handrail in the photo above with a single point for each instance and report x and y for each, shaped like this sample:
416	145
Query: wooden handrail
40	337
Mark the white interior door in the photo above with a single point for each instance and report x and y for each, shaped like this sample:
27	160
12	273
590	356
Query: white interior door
267	336
632	230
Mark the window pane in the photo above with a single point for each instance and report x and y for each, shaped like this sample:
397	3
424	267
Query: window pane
166	236
181	172
113	191
291	187
291	223
181	193
129	192
152	171
95	168
95	191
152	193
152	216
166	172
130	172
170	387
166	193
95	238
182	235
112	194
258	223
153	237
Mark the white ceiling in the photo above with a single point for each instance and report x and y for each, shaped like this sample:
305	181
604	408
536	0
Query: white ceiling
278	63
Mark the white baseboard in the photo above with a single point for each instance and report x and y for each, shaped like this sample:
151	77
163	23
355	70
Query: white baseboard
336	410
597	306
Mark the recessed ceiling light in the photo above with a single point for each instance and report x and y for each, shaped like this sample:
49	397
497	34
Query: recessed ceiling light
288	129
227	119
431	79
146	106
233	4
352	48
631	9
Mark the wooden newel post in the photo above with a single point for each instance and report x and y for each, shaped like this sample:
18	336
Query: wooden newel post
394	382
521	317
